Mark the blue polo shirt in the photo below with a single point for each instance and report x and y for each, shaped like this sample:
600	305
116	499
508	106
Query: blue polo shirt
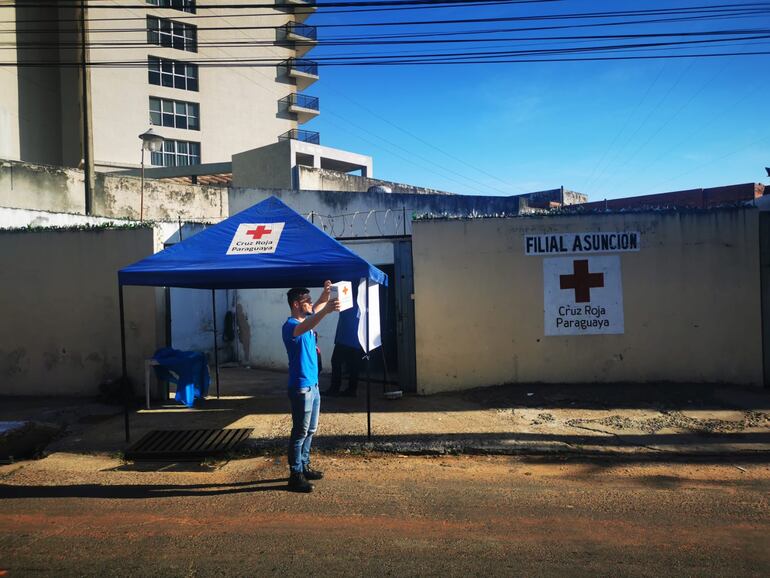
347	328
303	359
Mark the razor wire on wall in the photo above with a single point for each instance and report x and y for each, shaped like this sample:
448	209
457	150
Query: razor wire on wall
374	223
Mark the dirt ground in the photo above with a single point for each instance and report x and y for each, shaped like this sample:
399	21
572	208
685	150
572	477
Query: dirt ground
519	418
84	515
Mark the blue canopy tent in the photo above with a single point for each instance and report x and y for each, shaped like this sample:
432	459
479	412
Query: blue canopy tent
265	246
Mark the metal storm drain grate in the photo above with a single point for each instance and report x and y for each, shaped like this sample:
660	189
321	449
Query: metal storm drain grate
190	444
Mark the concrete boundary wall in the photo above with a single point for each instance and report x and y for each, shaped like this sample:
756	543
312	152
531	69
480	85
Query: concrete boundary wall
61	333
41	187
347	214
315	179
691	302
21	218
60	190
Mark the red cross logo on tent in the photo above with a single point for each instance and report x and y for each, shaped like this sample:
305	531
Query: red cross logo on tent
259	231
581	281
254	238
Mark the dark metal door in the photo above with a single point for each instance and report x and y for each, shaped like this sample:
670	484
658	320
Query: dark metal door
764	283
404	285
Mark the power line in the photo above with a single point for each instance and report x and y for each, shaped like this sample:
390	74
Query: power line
625	125
412	155
412	62
342	41
695	12
277	10
251	6
666	122
458	56
711	162
701	127
420	139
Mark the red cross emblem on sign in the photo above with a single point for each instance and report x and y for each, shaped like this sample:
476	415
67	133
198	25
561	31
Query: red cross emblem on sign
581	281
345	290
258	232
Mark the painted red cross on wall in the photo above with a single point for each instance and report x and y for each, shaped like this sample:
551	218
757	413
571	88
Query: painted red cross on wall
581	281
258	232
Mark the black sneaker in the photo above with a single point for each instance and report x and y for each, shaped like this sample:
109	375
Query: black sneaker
311	474
298	483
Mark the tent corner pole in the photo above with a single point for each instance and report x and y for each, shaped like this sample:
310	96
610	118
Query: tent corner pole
124	375
368	372
216	353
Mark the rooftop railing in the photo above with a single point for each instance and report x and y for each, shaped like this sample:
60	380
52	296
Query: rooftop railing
307	136
303	30
304	66
301	100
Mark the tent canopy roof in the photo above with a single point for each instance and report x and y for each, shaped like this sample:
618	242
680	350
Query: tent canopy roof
219	257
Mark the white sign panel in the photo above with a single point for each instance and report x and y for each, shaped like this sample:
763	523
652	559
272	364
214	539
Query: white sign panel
342	291
583	295
570	243
255	238
369	323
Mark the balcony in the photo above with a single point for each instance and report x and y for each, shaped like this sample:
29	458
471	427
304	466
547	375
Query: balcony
304	106
300	9
304	72
301	37
308	136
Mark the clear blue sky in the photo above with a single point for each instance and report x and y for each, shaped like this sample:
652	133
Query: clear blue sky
607	129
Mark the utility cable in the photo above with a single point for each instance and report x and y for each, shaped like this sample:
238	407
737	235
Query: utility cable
646	119
666	122
708	11
418	138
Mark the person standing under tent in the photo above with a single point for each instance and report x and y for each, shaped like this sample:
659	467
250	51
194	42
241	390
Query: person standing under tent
305	399
347	353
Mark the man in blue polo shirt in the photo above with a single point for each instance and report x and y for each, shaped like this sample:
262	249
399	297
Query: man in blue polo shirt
300	341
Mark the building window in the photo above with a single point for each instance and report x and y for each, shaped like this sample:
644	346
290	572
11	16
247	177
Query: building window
177	153
174	113
172	34
172	73
183	5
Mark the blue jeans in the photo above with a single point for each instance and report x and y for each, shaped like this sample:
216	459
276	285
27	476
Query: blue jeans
305	407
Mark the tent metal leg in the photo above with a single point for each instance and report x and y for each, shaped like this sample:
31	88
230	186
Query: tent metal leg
368	372
216	352
124	378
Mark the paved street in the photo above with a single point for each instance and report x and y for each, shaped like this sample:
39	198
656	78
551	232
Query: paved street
70	515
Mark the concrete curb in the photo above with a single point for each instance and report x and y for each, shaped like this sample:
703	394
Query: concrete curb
507	448
28	439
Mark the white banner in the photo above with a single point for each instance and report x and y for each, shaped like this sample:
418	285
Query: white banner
583	295
373	317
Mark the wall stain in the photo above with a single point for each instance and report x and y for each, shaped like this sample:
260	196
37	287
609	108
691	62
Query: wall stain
244	331
13	362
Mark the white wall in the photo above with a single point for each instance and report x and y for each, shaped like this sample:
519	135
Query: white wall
192	325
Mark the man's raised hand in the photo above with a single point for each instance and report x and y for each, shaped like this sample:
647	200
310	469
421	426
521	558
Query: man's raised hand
331	306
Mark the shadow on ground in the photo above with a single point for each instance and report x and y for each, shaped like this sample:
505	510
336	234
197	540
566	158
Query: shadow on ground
140	491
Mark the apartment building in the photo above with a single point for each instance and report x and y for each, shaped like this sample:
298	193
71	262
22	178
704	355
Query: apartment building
212	81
